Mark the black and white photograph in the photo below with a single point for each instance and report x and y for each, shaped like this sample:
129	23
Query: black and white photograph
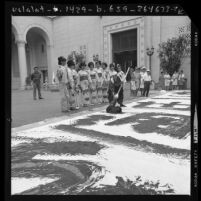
101	105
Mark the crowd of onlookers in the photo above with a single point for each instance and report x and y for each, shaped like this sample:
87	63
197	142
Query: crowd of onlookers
88	84
140	81
175	82
96	83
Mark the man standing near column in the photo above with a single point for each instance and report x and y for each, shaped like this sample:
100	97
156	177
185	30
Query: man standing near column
35	78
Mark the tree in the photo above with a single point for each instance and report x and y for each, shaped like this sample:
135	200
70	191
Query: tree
76	57
172	52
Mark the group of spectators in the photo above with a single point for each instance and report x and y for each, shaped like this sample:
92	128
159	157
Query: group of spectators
88	84
94	83
175	82
140	81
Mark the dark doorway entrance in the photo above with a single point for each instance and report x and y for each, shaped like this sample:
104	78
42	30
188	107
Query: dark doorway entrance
44	75
124	49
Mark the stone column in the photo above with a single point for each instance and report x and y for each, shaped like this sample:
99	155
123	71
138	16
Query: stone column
149	39
50	62
155	61
22	63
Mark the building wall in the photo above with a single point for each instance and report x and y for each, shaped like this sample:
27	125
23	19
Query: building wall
169	29
24	23
72	32
123	24
69	33
37	57
40	57
170	24
155	40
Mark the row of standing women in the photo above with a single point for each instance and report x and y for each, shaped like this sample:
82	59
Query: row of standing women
174	82
87	86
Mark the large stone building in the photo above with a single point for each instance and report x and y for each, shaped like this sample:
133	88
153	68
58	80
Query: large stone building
39	41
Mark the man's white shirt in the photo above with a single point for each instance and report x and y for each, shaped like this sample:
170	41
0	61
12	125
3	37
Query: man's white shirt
146	77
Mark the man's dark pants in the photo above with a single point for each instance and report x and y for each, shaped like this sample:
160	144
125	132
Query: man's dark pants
121	94
36	86
146	88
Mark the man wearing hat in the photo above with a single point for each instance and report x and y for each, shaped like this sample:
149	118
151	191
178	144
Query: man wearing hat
35	78
147	82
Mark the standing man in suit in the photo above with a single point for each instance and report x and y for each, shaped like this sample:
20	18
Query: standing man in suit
35	78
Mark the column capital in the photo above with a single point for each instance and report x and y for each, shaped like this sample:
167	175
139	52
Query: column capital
20	42
49	46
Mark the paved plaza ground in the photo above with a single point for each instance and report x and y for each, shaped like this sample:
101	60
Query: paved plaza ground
144	150
25	110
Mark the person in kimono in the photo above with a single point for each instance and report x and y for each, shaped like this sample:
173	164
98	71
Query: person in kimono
135	81
74	91
84	83
63	82
175	77
105	85
132	82
99	72
142	72
93	84
112	73
167	81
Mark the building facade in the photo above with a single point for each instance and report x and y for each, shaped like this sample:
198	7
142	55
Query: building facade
39	41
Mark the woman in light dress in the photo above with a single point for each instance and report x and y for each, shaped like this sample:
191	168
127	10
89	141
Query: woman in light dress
175	77
135	81
142	72
167	81
132	82
162	81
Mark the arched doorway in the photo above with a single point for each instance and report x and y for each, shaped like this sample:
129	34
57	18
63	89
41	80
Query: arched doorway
14	61
124	49
37	51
